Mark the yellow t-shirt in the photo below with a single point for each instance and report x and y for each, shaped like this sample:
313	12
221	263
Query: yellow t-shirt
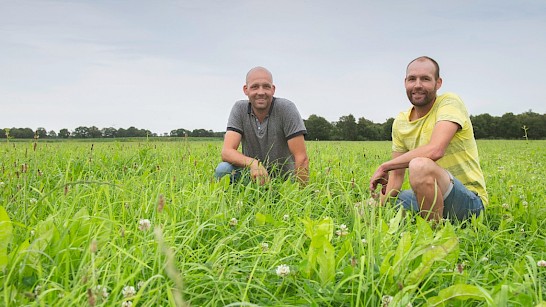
461	156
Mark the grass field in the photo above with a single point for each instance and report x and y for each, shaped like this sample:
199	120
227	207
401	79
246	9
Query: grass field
144	224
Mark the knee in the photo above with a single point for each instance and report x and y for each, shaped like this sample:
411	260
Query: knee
421	170
223	169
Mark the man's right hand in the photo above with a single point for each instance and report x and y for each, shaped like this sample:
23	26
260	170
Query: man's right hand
258	172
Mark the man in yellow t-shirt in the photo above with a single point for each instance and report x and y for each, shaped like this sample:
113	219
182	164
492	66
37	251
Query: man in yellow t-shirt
434	140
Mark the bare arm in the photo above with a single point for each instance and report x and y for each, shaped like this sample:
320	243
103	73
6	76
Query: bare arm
434	150
230	154
296	145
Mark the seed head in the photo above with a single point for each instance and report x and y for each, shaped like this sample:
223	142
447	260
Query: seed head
233	222
160	203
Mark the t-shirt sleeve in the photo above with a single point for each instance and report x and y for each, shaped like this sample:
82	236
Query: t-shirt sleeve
293	123
452	109
397	143
235	120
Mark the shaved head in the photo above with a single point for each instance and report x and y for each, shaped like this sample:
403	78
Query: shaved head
258	69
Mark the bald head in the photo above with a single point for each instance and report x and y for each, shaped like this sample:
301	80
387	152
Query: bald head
258	70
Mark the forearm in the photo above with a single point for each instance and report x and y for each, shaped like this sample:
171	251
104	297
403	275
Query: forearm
402	161
237	158
301	170
394	185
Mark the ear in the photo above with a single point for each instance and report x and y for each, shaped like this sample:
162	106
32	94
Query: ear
438	83
273	88
245	89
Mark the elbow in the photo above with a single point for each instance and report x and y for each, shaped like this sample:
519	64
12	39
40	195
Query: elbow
436	154
224	155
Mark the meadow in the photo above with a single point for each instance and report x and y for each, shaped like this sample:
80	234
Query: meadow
143	223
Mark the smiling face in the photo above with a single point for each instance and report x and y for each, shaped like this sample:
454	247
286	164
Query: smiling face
422	83
260	89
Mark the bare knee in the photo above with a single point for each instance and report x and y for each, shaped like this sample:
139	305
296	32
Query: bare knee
421	171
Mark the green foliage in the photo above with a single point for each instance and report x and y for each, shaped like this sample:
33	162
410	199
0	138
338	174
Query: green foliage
320	260
75	219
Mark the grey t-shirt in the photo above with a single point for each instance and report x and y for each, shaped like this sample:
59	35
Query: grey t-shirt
268	141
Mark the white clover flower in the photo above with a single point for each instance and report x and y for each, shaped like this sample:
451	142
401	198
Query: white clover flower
364	241
102	291
541	263
386	300
484	259
144	224
524	203
233	222
33	201
343	230
283	270
286	217
140	284
372	202
265	246
127	304
505	206
2	184
32	233
37	290
128	291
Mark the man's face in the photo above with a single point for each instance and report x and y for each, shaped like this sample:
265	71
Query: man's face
421	83
260	90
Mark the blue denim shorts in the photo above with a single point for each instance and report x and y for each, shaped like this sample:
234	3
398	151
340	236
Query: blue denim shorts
460	204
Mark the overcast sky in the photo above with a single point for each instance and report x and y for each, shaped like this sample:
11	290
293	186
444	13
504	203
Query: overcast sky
164	65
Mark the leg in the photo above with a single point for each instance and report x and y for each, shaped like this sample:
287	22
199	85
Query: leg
429	182
461	203
225	168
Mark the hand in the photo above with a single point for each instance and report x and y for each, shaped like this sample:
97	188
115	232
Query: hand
379	177
258	172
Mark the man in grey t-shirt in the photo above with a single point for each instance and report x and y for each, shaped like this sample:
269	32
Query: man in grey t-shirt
271	131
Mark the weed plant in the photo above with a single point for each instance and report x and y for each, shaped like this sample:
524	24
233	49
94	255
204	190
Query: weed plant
145	224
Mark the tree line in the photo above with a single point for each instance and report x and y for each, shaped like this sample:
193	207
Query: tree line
528	125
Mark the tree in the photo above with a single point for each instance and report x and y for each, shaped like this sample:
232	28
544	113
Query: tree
387	129
52	134
318	128
41	133
179	132
368	130
21	133
109	132
509	127
81	132
346	127
201	133
64	133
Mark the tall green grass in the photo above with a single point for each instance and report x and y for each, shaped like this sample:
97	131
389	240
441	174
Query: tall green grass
73	231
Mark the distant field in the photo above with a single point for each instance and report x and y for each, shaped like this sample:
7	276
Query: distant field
143	223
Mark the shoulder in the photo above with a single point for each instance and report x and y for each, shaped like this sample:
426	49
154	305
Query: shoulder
283	103
450	99
240	106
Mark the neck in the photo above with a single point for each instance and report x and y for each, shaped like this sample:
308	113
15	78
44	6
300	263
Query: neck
420	111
